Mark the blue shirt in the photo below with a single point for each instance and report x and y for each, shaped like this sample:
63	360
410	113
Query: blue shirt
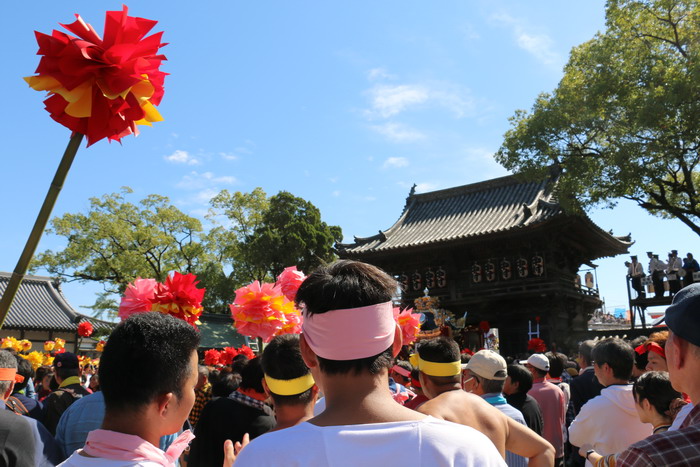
82	417
499	402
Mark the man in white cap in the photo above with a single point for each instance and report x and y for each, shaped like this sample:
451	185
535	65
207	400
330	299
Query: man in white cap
485	376
552	404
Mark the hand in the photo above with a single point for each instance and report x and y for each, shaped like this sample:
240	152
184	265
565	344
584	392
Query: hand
231	450
584	449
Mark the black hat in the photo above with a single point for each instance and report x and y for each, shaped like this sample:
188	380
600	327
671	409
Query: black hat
633	257
675	252
683	316
65	360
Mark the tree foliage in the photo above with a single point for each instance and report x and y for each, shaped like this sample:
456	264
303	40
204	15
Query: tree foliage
253	237
624	122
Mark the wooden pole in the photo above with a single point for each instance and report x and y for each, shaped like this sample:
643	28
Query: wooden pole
39	225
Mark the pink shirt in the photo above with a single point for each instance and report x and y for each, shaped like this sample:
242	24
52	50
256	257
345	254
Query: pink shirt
553	407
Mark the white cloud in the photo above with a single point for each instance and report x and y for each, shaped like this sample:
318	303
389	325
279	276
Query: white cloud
395	163
539	45
379	73
398	132
387	101
204	196
369	198
196	180
425	187
336	193
182	157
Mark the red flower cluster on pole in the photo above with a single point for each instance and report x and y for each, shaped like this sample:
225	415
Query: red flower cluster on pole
211	357
85	329
102	87
537	345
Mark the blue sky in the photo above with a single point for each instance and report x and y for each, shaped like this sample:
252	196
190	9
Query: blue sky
346	104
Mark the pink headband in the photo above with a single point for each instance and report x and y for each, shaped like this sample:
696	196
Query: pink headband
401	371
350	333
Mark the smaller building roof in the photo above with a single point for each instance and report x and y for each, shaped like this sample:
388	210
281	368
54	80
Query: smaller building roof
40	305
217	331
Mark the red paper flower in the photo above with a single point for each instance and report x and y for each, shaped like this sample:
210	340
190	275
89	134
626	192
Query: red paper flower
537	345
247	351
261	310
484	326
137	297
289	281
102	87
212	357
85	329
180	297
227	355
467	352
409	324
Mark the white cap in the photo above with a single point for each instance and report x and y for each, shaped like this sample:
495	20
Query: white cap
539	361
488	364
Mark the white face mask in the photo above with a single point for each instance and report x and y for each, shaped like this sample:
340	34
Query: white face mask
465	382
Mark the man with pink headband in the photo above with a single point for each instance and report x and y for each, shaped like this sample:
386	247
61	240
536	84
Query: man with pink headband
349	341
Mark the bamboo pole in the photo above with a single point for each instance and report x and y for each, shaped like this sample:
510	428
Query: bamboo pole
39	225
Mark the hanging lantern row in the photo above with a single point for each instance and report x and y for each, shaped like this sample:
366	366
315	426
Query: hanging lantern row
430	279
491	270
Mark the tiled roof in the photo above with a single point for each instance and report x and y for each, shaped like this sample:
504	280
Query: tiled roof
40	305
464	212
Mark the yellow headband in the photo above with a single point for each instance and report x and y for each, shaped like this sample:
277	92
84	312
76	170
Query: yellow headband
290	387
434	368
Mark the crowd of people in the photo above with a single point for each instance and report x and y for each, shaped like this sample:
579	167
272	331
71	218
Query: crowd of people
672	274
339	394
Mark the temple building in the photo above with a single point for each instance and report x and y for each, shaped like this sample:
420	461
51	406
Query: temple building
503	251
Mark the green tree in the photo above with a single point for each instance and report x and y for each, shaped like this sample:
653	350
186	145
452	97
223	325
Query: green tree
291	232
624	122
117	241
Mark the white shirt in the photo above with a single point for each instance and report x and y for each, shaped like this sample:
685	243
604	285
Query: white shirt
609	422
428	442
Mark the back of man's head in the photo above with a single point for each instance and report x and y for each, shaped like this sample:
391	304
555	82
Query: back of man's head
440	350
24	369
584	350
345	285
252	375
489	370
287	377
147	355
7	360
556	363
522	376
617	354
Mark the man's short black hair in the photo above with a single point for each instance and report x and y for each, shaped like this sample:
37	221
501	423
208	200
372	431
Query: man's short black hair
347	284
281	359
65	373
521	375
440	350
556	363
147	355
252	375
641	360
585	349
25	369
618	354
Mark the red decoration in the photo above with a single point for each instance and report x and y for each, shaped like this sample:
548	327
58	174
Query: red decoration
537	319
537	345
102	87
484	326
180	297
247	351
467	352
85	329
212	357
261	310
227	355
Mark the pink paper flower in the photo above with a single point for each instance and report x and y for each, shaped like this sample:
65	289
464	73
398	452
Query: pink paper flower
137	297
409	324
289	281
260	310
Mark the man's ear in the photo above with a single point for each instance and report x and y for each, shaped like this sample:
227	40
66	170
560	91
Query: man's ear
398	341
307	354
8	393
163	402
